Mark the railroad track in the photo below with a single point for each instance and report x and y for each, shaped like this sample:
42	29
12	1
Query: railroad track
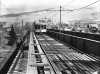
49	61
19	64
62	59
66	59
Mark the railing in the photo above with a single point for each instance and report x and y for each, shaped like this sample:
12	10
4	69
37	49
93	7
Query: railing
87	45
80	34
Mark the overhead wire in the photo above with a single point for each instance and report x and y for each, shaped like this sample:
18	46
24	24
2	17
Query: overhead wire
25	13
70	10
86	5
78	9
49	9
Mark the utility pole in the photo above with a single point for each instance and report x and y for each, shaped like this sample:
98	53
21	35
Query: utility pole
1	33
60	17
1	5
22	27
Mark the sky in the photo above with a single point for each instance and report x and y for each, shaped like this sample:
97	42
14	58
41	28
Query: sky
20	5
13	6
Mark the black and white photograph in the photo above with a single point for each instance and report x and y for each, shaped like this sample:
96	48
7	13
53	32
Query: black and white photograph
49	36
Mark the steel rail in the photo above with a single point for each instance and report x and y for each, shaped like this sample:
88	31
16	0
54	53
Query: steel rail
46	55
11	69
46	41
81	65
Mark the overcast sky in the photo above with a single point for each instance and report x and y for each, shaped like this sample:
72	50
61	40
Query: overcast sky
39	4
12	6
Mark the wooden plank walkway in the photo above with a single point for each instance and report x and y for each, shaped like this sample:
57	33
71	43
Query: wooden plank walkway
31	58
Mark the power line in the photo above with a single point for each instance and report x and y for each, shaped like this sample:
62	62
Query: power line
49	9
87	5
25	13
78	9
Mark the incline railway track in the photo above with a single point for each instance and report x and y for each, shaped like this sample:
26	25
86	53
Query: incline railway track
32	61
67	60
19	64
43	67
48	56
